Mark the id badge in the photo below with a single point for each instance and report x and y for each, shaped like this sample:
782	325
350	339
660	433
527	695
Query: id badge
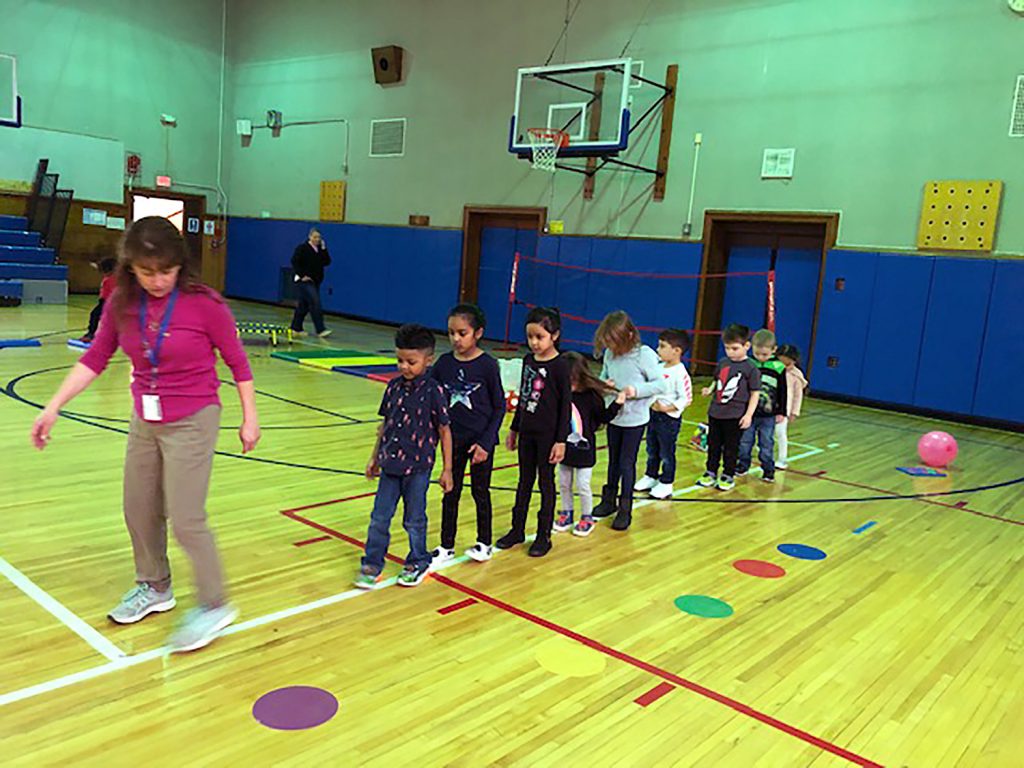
151	410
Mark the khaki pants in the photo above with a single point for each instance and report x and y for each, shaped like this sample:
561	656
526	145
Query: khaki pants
166	477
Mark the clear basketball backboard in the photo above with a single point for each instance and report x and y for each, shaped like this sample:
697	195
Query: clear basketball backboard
10	104
589	101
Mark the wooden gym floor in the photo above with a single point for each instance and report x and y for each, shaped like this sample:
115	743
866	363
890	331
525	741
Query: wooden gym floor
904	646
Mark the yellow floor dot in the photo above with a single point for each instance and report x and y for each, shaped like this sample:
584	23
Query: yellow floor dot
569	658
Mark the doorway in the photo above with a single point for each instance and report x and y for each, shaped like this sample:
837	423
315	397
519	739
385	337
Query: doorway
793	245
186	212
491	236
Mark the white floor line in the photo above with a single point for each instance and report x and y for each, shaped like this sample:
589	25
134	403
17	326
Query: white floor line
123	662
59	611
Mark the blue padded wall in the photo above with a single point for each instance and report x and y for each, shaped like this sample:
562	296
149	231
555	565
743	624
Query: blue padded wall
746	297
390	274
947	372
843	322
893	347
1001	368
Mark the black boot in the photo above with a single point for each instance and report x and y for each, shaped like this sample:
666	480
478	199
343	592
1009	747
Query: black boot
541	546
607	506
624	517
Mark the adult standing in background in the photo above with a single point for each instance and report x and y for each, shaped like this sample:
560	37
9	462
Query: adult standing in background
309	261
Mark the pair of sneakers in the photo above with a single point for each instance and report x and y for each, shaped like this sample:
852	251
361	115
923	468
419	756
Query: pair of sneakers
197	629
411	576
584	527
766	477
479	552
723	483
658	489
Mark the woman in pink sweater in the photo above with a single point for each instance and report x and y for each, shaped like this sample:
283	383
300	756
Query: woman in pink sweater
169	325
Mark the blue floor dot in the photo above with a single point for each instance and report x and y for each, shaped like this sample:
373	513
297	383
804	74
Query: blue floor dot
802	551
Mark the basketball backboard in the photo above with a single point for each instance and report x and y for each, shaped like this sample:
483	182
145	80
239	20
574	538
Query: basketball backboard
10	102
589	101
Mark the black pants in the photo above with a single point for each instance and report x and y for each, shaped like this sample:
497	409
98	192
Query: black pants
309	302
480	487
724	444
534	464
94	318
623	449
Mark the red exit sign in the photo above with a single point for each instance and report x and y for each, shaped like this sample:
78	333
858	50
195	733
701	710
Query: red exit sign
163	181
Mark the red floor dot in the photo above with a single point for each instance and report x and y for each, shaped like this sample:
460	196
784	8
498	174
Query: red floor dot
760	568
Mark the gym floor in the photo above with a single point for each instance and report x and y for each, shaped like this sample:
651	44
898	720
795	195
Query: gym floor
877	619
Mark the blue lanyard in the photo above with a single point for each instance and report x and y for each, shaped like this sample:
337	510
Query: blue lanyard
153	353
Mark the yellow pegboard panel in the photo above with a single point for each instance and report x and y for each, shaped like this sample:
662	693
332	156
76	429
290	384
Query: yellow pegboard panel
959	215
332	201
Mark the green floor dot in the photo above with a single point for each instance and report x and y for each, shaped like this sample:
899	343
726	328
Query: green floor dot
702	605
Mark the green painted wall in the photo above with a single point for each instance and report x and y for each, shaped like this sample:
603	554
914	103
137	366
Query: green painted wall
111	67
877	96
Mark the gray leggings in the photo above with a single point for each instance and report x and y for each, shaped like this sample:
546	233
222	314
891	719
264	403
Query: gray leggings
565	478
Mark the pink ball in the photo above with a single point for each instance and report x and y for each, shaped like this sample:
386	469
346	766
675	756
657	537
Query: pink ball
937	449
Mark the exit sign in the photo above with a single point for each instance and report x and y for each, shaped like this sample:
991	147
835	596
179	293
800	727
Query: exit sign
163	181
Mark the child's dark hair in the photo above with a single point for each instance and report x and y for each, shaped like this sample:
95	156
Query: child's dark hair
548	318
735	334
617	333
789	350
471	313
675	337
583	377
107	265
413	336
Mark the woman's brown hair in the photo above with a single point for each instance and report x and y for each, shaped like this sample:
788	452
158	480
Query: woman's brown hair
156	241
616	333
583	377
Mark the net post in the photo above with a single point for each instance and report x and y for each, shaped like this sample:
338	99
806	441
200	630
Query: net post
770	320
508	346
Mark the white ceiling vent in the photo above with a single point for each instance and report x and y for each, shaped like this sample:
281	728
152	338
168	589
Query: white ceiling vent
1017	115
387	137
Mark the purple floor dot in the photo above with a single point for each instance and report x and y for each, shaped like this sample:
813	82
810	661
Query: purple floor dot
295	708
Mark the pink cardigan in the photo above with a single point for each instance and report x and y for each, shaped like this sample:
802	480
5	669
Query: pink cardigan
187	377
795	386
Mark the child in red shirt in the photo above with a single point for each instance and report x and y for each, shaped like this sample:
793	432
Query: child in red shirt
107	267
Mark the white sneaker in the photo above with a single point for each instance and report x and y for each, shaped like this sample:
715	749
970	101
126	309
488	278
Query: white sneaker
645	483
480	552
440	556
661	491
325	333
781	465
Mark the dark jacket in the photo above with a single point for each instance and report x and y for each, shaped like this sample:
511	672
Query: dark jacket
309	263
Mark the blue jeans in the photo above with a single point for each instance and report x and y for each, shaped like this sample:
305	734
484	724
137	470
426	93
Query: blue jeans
412	489
662	433
308	302
763	428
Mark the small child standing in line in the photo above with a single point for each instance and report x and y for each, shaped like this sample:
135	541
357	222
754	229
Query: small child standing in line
771	408
589	414
540	428
107	267
736	386
631	367
476	407
415	421
667	415
796	383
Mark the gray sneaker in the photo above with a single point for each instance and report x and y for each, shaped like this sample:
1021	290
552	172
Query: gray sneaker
141	601
200	627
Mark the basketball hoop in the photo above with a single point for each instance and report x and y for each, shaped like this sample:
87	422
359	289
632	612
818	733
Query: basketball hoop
544	145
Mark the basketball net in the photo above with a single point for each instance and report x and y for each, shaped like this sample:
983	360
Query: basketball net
544	144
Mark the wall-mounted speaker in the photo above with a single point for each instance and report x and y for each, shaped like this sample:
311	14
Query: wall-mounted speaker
387	64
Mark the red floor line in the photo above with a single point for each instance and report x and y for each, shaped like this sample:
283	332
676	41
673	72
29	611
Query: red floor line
457	606
959	505
366	495
733	704
661	689
311	541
